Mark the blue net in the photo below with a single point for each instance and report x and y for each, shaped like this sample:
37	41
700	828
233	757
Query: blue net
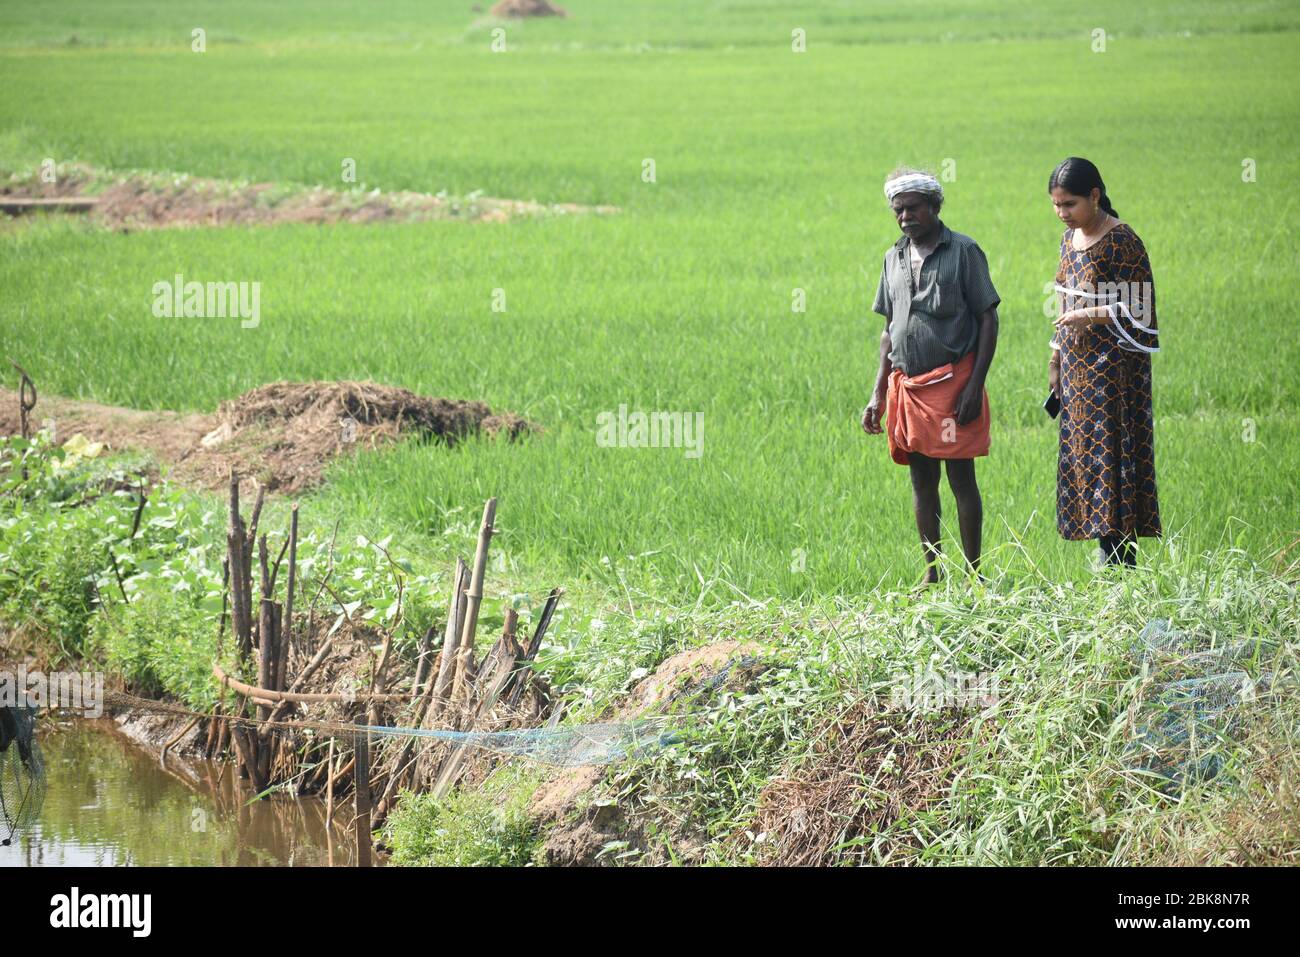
1187	717
585	744
567	746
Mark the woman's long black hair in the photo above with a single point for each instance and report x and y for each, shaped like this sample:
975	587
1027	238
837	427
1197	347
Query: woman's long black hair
1080	177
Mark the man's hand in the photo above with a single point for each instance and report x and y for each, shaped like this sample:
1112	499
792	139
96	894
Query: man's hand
970	403
873	413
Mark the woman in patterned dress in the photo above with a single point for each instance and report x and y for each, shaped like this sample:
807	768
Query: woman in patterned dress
1101	370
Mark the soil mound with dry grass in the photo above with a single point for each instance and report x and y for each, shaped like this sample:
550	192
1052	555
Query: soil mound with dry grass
284	433
872	769
150	200
527	8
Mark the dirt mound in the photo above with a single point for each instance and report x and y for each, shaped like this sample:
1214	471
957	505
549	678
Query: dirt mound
579	828
149	200
526	8
871	769
313	406
284	434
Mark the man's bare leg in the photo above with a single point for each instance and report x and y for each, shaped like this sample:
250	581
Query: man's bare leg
970	508
925	502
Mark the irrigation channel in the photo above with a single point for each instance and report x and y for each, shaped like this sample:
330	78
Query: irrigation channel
110	802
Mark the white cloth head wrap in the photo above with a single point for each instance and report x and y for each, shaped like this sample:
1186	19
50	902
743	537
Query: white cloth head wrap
913	183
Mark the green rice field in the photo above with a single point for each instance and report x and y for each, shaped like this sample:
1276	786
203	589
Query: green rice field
768	166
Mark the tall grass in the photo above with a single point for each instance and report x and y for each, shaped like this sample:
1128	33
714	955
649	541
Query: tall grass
1049	772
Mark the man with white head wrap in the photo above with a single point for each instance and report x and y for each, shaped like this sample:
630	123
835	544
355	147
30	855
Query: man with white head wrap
941	330
910	182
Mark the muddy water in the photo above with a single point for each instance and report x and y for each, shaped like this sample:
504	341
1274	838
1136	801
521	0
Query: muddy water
111	803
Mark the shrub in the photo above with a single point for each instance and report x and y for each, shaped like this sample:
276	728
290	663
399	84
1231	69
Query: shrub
63	589
161	643
484	827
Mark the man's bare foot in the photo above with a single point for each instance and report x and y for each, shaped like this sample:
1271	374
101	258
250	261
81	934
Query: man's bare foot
932	576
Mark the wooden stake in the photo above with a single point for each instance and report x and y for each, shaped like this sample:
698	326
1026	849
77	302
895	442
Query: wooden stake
214	732
244	741
508	648
521	681
236	554
286	630
362	793
26	388
451	766
265	630
423	662
257	514
301	680
329	785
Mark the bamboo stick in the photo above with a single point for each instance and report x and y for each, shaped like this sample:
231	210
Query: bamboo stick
474	600
265	696
303	675
509	648
451	639
342	772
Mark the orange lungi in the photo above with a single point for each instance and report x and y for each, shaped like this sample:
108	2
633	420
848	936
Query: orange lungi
922	414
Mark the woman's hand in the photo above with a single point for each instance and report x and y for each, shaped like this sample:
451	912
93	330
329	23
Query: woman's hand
872	414
1078	319
1054	377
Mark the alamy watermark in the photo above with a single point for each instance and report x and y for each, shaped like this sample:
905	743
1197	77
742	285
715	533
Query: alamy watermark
178	299
651	430
75	910
74	690
1138	298
928	690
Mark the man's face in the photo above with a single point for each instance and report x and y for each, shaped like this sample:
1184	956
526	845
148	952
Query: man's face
915	214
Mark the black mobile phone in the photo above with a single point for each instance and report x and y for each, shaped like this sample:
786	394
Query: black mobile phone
1053	404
